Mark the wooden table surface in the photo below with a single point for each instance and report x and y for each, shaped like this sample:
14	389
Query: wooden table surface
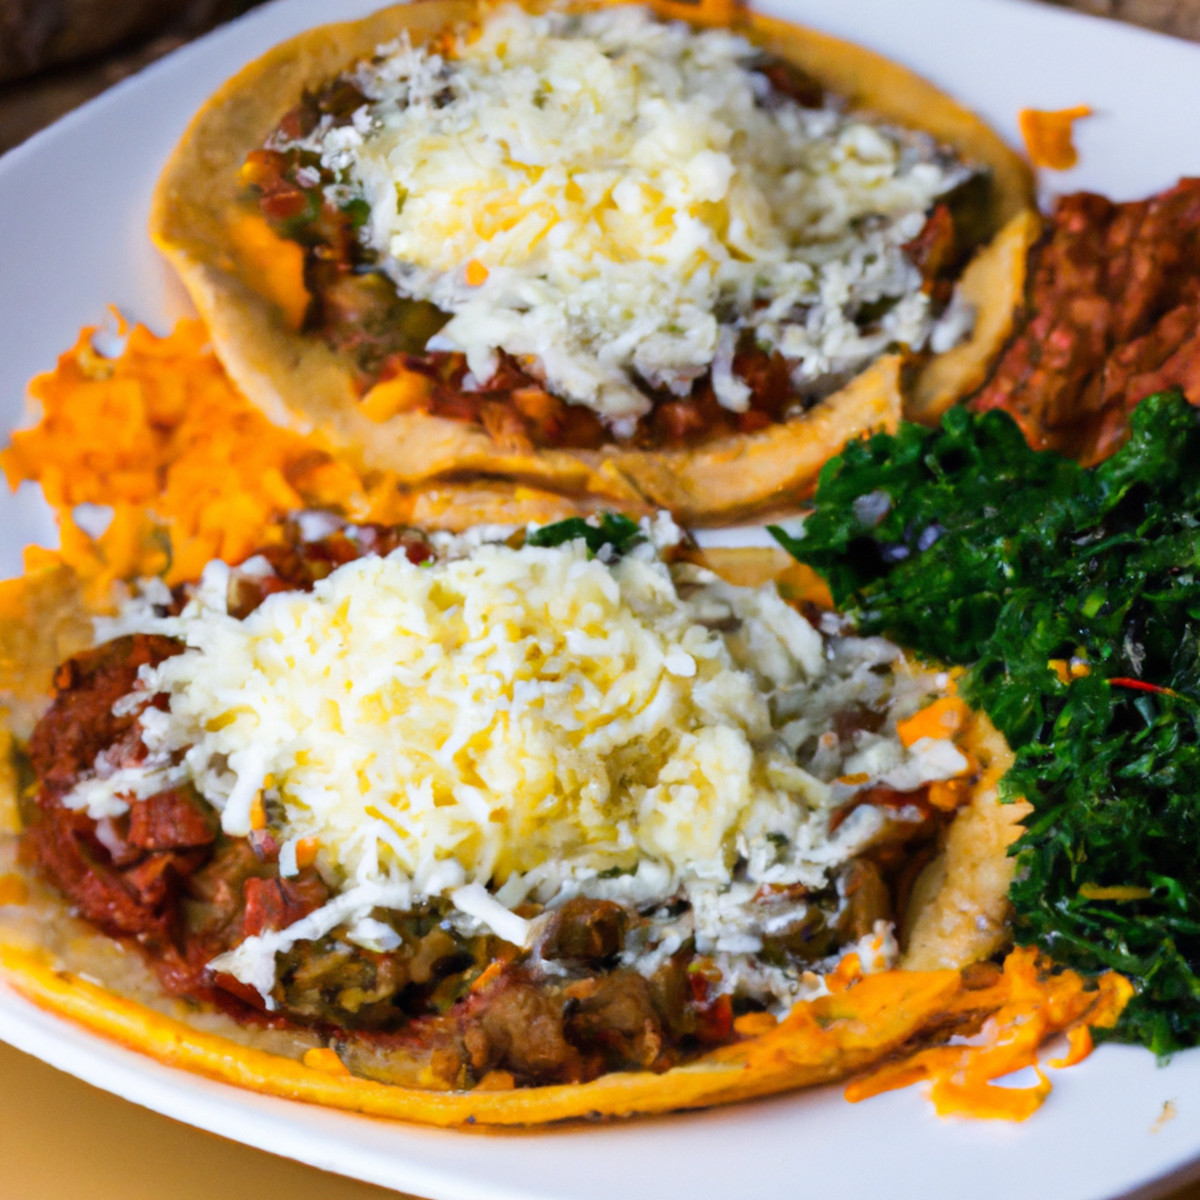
60	1138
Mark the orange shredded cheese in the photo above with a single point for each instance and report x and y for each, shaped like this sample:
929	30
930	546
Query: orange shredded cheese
1048	135
128	548
326	1060
846	973
477	273
1031	1004
193	471
1079	1046
306	851
258	813
819	1040
490	972
941	719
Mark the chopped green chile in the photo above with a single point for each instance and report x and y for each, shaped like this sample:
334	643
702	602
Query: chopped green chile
619	532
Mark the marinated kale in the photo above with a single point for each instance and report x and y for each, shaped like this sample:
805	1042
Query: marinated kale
1072	596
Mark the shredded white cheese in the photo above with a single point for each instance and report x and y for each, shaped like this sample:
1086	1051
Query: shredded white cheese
610	197
502	725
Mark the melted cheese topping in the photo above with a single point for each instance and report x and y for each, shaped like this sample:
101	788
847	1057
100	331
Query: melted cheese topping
609	196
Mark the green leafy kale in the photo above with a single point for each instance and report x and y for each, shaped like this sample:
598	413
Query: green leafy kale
612	529
969	547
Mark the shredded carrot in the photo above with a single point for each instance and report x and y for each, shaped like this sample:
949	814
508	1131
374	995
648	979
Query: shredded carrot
1048	135
477	273
161	435
1031	1004
941	719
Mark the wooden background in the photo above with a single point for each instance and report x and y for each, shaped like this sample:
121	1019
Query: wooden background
55	54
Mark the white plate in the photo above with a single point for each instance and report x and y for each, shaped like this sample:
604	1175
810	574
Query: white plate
74	203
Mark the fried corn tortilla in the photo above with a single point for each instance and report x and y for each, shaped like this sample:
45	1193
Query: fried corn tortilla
893	1022
245	282
880	1020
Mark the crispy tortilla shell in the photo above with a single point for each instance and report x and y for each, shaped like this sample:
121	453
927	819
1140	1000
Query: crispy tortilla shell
956	918
879	1018
43	620
958	910
994	286
247	296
